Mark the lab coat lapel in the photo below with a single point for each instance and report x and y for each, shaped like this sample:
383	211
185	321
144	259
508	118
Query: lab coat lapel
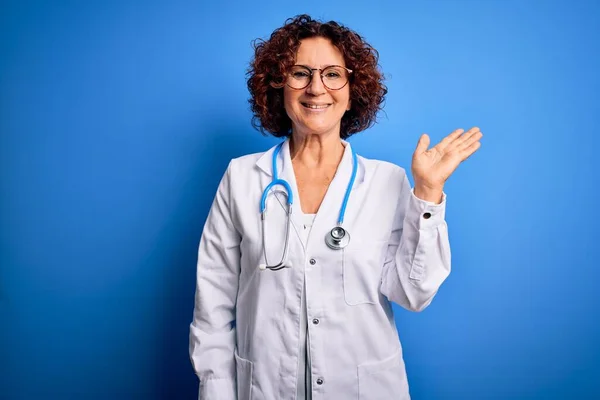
286	172
329	211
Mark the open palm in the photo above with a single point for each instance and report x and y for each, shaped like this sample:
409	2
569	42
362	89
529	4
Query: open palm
432	167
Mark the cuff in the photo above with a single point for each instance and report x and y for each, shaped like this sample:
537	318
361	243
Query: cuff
426	214
217	388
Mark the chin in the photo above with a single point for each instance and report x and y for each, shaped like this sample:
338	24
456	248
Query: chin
318	126
320	131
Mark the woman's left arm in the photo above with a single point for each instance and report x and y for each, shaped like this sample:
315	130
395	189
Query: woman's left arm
418	257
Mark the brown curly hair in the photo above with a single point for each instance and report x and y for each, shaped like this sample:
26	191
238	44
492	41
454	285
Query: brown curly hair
274	57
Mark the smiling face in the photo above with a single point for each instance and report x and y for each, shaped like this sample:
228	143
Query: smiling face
316	109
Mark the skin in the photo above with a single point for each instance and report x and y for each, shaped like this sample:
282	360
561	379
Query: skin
432	167
316	147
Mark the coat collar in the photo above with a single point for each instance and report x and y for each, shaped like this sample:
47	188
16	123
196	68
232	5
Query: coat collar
285	168
329	211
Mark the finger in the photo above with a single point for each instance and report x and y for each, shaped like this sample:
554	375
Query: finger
422	144
469	141
468	152
466	138
445	142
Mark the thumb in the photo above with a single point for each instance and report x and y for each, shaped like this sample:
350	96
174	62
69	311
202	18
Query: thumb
423	144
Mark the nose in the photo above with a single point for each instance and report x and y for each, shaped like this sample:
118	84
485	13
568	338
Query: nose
316	86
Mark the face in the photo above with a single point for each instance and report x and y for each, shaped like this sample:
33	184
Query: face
316	109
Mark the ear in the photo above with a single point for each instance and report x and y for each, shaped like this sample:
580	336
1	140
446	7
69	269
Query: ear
349	105
276	85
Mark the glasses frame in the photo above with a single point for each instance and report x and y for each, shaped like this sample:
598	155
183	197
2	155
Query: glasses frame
312	73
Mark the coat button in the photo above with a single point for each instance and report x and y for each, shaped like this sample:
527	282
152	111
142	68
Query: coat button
312	261
319	381
426	215
316	321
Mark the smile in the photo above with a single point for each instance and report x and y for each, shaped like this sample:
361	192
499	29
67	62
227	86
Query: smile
316	106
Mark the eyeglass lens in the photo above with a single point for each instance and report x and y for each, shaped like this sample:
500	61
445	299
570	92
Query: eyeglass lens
334	77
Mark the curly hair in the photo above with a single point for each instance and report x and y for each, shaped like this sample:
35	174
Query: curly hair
274	57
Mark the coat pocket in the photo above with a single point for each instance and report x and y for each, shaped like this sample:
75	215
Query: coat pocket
362	265
383	380
244	377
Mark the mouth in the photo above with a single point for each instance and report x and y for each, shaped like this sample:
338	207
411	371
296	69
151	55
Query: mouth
315	107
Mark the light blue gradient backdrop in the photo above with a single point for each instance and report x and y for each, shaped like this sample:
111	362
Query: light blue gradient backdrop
117	120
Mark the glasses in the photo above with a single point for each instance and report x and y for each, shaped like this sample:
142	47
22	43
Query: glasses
334	77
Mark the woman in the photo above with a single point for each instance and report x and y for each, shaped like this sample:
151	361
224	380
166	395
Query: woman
301	310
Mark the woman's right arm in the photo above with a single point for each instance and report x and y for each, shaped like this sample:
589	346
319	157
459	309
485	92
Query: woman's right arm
212	332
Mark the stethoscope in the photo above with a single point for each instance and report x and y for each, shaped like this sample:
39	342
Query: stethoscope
337	238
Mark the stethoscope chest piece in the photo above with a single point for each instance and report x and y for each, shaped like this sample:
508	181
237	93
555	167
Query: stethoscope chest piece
337	238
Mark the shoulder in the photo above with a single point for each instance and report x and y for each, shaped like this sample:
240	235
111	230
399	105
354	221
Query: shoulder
245	162
240	174
243	165
382	169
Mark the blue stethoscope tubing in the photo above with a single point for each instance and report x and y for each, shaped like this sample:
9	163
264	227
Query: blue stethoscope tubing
336	239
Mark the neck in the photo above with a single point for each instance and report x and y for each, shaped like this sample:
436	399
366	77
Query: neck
315	151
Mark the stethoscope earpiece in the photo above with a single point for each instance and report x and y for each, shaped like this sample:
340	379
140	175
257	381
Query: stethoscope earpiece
277	267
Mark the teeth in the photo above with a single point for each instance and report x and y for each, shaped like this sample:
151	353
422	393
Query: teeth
316	106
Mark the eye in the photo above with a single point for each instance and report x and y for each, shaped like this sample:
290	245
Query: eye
300	74
333	73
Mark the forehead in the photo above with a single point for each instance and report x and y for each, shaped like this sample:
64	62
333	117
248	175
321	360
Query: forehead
318	52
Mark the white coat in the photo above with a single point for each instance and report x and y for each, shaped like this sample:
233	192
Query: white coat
244	337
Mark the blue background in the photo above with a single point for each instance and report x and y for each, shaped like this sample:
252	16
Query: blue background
117	120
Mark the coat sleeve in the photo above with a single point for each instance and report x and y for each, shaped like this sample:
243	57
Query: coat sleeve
418	255
212	331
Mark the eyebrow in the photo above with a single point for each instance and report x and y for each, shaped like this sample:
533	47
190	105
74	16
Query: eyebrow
322	66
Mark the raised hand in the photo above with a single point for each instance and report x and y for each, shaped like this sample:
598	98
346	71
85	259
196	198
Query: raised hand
432	167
